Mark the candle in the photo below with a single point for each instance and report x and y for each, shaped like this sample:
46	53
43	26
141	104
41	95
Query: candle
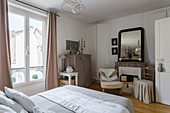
81	42
84	43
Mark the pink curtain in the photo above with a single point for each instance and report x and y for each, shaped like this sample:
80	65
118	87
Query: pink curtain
5	66
51	61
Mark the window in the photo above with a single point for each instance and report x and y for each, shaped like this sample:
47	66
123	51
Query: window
27	45
17	39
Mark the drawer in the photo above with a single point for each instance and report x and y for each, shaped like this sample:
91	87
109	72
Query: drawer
86	58
65	82
78	58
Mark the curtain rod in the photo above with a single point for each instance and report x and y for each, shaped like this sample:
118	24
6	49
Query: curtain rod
34	7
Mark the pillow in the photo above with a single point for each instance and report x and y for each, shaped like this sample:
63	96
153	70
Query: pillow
5	109
40	110
2	93
113	74
108	75
11	103
21	98
103	74
23	111
110	78
114	78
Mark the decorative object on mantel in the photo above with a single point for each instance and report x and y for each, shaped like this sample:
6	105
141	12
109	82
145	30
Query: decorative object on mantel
62	56
82	45
73	6
130	52
114	51
73	46
131	45
114	41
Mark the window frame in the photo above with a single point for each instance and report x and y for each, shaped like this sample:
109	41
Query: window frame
30	14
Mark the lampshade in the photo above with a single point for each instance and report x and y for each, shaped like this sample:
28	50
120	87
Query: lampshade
62	56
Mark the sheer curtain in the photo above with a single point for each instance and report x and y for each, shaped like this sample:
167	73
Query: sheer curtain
5	66
51	80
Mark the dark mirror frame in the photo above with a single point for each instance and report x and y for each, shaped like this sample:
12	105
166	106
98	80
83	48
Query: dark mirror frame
142	44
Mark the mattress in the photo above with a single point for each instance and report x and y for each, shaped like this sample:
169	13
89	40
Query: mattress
47	104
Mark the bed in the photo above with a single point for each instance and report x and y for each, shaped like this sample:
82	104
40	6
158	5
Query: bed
51	105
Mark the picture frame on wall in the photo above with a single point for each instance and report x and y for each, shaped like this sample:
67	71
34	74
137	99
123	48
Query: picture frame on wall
114	42
114	51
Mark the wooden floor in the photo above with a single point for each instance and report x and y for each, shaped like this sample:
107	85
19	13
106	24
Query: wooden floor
139	106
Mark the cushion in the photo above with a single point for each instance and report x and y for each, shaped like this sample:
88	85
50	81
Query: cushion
108	74
40	110
114	78
5	109
112	83
113	74
2	93
21	98
11	103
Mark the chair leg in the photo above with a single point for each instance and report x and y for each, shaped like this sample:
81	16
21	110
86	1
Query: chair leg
102	90
120	91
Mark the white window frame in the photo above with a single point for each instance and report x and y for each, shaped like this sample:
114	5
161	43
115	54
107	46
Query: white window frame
29	14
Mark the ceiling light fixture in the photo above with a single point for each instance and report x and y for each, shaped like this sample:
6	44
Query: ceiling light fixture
73	6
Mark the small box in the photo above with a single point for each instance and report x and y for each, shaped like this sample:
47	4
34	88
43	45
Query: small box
64	82
123	78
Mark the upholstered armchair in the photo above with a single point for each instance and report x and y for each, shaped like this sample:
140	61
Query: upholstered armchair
109	79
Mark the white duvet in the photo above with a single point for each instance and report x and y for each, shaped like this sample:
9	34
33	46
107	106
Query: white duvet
80	103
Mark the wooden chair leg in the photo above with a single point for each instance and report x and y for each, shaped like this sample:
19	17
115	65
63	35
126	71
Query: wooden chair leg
120	91
102	90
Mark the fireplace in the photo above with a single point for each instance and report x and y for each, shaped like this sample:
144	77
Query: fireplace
135	65
130	71
130	68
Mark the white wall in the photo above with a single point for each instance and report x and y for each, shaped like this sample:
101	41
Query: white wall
67	29
123	23
145	20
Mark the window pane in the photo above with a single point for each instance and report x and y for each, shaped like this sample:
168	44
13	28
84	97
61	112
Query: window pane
16	26
36	49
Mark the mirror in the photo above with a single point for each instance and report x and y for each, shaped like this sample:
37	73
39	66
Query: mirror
131	45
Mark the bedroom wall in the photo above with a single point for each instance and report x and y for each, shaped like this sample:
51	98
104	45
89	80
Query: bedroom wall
145	20
67	29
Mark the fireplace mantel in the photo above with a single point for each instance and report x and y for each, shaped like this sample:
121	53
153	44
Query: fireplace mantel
131	64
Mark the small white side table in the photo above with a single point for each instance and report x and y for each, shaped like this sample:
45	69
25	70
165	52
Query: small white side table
69	75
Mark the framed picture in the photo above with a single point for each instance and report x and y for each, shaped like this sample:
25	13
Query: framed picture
114	51
114	41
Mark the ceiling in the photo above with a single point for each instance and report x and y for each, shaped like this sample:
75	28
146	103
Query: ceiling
101	10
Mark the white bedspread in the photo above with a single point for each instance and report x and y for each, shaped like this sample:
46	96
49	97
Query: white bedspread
80	103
